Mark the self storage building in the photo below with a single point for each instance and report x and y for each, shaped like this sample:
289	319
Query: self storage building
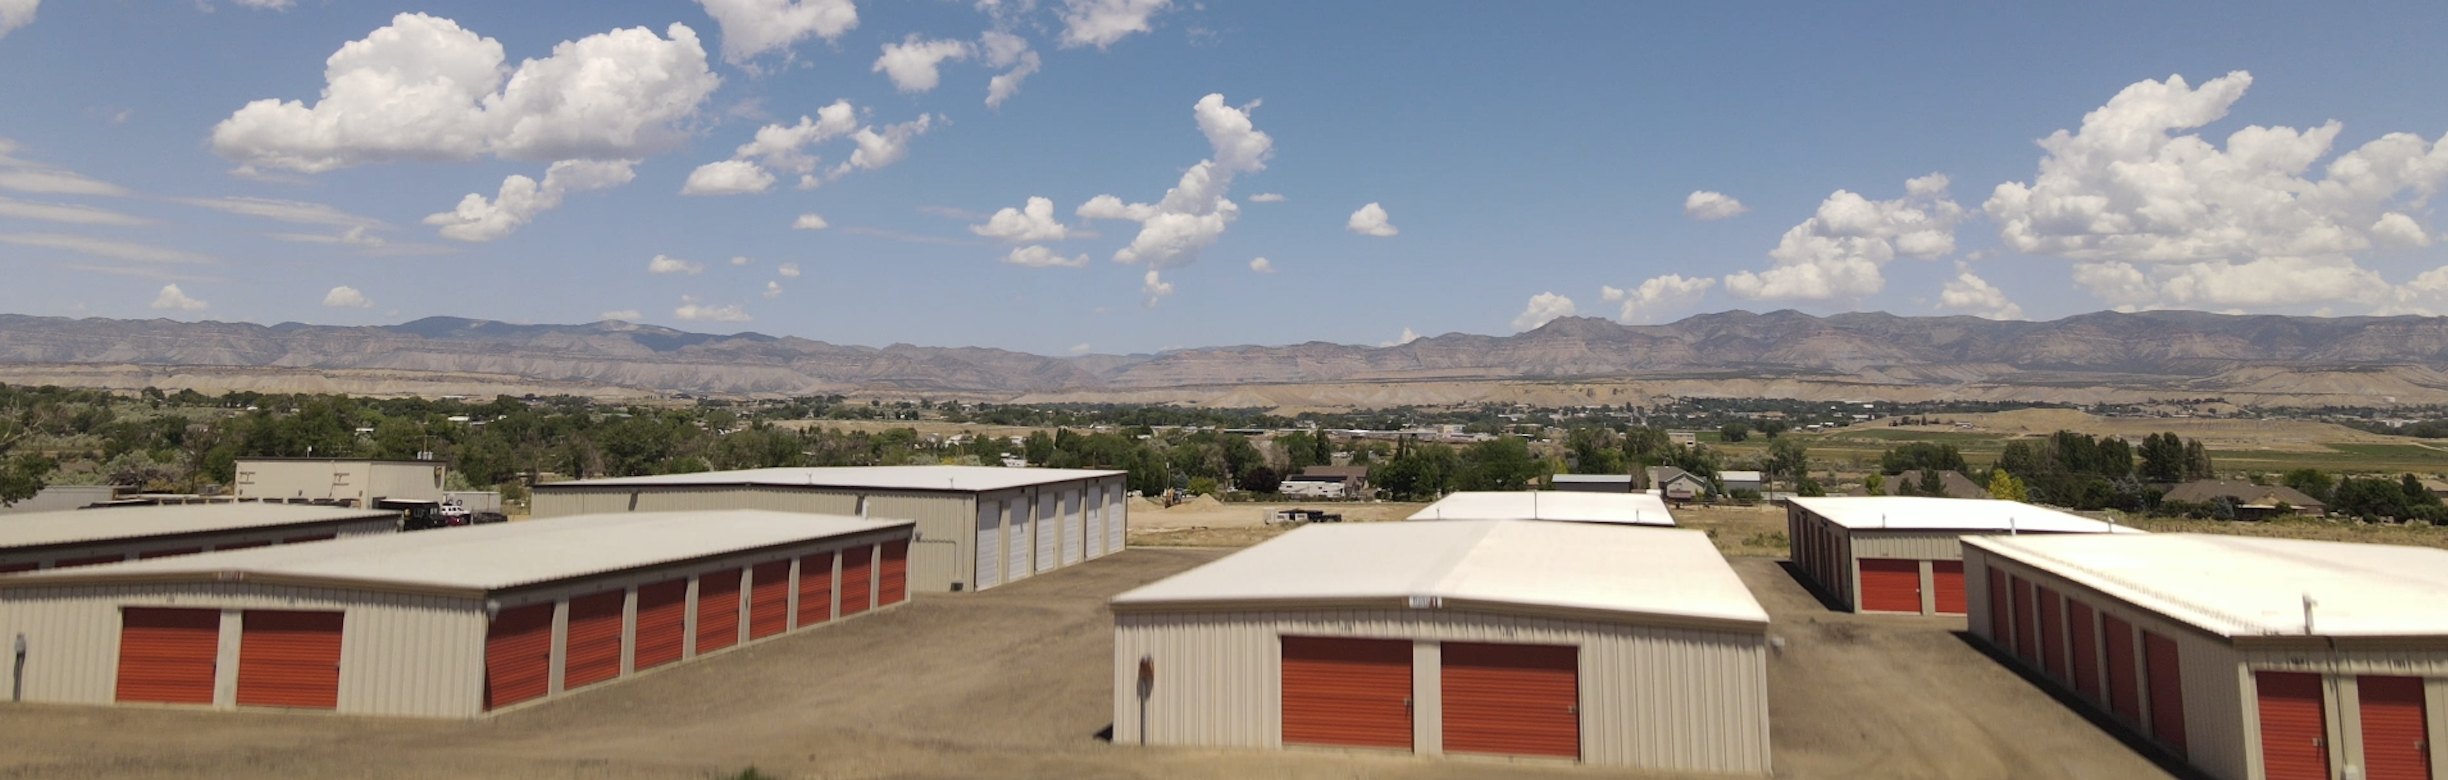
978	527
1613	646
1552	505
2255	659
450	623
1901	553
87	537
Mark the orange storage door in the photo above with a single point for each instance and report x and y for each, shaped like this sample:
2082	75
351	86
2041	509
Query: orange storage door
2051	633
2396	730
2294	727
2001	617
1347	692
310	538
518	655
857	579
591	652
11	568
2026	644
2124	685
892	580
71	563
769	592
662	624
1947	587
1512	700
168	655
816	588
2085	638
718	603
289	659
2167	704
242	545
1890	585
143	556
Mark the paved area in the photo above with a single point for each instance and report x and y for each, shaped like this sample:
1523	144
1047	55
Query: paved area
1013	683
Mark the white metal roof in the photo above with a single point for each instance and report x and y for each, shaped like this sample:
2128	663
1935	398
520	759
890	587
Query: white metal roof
1563	505
1739	476
1595	479
81	526
1651	571
969	479
490	557
1923	513
2251	586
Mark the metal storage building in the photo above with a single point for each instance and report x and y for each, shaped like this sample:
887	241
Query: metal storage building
448	623
2255	659
1900	553
1614	646
1557	505
360	481
978	527
87	537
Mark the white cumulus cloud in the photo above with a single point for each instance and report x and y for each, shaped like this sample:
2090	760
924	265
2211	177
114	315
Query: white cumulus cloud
1262	266
1033	256
753	27
172	298
1967	292
15	14
1544	308
624	315
1030	223
727	177
693	310
743	260
1267	197
662	264
1407	337
1705	205
1839	253
810	222
914	65
521	199
781	146
1668	294
773	289
1100	23
1005	50
1194	213
423	88
877	149
1370	220
1154	288
788	271
346	297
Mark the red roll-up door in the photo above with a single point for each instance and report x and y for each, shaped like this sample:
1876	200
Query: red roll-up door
2124	686
769	594
815	589
2051	633
167	553
168	655
1890	585
2294	727
662	624
2001	617
892	580
2027	644
97	560
718	603
289	659
1513	700
591	650
2396	730
1947	587
11	568
242	545
1347	692
2167	703
324	537
518	655
857	579
2079	628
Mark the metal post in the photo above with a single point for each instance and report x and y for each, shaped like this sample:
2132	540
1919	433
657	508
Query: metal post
17	672
1147	685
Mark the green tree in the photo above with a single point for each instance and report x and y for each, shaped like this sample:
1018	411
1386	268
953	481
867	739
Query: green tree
1933	483
1735	431
2005	486
2310	482
1922	456
2163	458
1501	463
1875	484
1787	459
1595	451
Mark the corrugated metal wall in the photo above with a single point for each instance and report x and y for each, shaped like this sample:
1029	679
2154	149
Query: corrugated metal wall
945	551
1908	545
415	481
1655	698
401	654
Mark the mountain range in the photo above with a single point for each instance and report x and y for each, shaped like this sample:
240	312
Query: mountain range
2265	359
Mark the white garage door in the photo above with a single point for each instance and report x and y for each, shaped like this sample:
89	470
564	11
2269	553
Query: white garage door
1049	532
1018	537
989	545
1117	517
1074	526
1095	537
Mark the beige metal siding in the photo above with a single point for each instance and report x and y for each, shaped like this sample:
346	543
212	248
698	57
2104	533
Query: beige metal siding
1908	545
1652	698
412	481
943	553
387	525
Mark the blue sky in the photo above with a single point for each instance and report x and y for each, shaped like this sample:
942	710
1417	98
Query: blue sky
1623	160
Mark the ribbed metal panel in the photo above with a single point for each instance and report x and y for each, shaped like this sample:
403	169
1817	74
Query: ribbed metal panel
1074	525
988	544
1048	523
1117	517
1019	535
1093	539
947	536
1655	698
2396	728
1923	546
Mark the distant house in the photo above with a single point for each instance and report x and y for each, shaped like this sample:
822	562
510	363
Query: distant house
1676	484
1593	483
2437	487
1955	483
1741	480
2252	502
1328	482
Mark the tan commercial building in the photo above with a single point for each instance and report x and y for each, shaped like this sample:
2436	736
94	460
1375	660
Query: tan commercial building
354	482
978	527
1901	553
90	537
1607	645
453	623
2254	659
